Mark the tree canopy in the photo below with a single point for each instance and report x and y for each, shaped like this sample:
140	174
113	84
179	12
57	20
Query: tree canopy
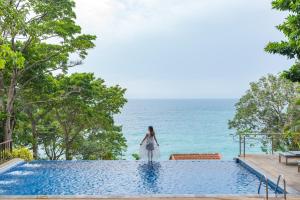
41	105
263	109
290	28
266	109
36	37
271	105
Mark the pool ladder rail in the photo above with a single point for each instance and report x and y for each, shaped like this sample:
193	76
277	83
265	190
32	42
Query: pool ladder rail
284	186
263	178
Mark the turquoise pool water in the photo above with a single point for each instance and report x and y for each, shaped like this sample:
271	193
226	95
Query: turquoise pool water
182	126
133	178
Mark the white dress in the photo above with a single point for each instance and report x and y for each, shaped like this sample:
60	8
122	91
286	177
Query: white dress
148	145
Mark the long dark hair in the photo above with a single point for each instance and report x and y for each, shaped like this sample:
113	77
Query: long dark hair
151	131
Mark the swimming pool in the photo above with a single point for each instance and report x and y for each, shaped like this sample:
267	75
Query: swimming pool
112	178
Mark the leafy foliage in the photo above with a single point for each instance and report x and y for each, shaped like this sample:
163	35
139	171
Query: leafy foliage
87	106
292	127
263	109
290	48
103	145
290	28
59	114
75	120
21	152
37	37
293	73
136	156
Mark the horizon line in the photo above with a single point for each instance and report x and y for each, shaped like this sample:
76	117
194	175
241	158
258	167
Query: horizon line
202	98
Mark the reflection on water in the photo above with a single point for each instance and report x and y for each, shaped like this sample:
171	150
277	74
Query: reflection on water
20	173
149	173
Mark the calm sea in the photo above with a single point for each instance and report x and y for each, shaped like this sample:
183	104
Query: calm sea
181	126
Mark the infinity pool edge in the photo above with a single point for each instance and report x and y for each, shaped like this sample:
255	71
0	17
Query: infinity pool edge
243	163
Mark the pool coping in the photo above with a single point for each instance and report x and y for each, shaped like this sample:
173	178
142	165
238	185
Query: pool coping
10	164
134	196
15	162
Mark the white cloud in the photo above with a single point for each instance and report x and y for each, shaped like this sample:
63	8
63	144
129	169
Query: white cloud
126	19
181	48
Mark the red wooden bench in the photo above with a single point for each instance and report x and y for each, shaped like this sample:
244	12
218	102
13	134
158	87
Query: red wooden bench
196	156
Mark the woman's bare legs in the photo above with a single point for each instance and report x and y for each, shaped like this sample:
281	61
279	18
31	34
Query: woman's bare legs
151	155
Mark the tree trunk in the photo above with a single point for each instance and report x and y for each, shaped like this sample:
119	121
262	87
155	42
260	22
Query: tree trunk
67	152
2	106
10	107
35	139
66	139
67	145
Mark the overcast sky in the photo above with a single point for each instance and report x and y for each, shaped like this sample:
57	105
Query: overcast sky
181	48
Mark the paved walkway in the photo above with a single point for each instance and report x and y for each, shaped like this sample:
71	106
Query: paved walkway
9	164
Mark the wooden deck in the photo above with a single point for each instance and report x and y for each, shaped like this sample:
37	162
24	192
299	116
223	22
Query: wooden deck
270	166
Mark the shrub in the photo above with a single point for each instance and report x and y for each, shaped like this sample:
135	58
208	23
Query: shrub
136	156
23	153
7	155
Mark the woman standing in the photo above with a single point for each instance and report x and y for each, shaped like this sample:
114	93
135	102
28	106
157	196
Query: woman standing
149	146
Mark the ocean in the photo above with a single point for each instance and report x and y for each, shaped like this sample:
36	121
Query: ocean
181	126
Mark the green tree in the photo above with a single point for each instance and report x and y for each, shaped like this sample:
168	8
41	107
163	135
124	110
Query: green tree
36	37
290	48
103	145
291	29
51	138
71	116
292	127
263	109
84	110
31	106
64	115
